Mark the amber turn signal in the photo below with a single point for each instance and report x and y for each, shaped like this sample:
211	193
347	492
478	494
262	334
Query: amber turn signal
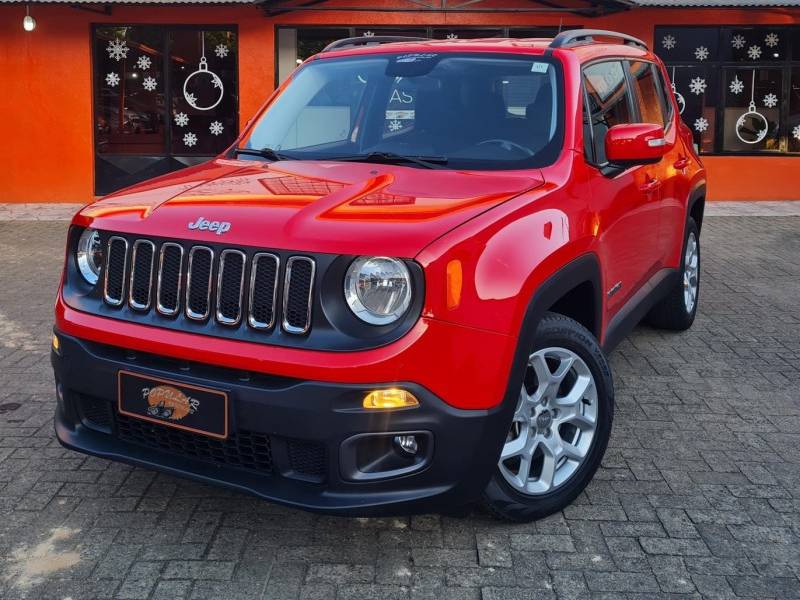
390	398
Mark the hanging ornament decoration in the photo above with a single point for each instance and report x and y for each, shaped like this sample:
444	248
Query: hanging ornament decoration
144	62
181	119
112	80
698	85
701	124
117	49
737	85
216	128
669	42
202	71
149	84
701	53
772	40
752	126
221	51
189	139
678	96
738	41
796	132
754	52
770	100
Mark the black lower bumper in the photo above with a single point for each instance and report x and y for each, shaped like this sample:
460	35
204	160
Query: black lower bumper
300	443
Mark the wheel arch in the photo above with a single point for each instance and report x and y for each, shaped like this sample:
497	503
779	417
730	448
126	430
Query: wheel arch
697	204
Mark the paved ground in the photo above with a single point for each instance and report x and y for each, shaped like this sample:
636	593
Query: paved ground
699	493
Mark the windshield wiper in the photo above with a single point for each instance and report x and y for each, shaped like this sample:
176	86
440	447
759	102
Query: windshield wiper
429	162
267	153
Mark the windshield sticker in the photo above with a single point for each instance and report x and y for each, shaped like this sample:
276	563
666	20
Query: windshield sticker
403	115
410	58
539	67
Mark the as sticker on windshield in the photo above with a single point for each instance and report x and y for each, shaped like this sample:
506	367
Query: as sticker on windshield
539	67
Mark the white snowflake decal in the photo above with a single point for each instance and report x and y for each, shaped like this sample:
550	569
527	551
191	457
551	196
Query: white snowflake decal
117	49
191	99
112	79
189	139
737	85
701	124
754	52
796	132
395	125
221	51
143	63
149	84
697	85
771	40
181	119
701	53
770	100
369	34
669	42
452	36
738	41
215	128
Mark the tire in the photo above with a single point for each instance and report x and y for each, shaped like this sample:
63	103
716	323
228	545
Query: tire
673	311
579	399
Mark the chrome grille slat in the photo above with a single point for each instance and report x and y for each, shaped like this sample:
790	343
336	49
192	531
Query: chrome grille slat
263	290
170	271
114	278
230	285
298	290
141	280
199	274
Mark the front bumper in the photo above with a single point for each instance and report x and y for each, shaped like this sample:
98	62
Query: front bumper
292	440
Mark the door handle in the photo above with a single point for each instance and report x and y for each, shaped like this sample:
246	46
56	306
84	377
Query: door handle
651	185
681	163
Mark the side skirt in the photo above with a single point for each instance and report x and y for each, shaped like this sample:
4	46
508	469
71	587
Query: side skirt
638	306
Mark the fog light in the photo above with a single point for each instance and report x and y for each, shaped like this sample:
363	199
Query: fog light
56	344
407	443
390	398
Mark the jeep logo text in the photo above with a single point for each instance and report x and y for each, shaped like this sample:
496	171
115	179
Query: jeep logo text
203	224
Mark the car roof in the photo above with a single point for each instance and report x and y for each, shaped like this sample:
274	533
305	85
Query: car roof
583	51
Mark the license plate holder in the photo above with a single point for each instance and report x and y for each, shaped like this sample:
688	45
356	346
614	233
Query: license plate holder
191	408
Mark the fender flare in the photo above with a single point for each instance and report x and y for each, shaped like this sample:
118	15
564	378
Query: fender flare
697	194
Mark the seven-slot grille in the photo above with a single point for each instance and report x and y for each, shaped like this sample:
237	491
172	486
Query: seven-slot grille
202	284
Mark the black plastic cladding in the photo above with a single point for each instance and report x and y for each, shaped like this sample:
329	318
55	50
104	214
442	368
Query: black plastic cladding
333	326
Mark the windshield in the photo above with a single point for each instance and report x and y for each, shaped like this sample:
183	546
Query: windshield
467	111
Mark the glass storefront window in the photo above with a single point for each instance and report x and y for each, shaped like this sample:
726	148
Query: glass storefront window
735	97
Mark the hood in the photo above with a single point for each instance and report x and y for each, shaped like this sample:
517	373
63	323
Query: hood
308	206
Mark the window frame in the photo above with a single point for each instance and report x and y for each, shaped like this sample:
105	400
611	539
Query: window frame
786	65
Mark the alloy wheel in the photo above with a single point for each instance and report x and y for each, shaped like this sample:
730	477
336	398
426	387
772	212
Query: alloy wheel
691	272
554	423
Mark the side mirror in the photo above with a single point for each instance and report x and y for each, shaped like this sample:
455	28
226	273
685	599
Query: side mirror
635	143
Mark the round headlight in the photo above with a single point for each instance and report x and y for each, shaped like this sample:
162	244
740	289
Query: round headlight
378	289
89	255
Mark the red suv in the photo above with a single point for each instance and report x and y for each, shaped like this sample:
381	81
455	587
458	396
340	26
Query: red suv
395	292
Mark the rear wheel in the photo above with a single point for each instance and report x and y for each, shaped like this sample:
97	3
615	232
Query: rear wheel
561	424
676	311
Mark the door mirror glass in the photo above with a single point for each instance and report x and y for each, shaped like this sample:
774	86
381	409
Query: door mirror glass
635	143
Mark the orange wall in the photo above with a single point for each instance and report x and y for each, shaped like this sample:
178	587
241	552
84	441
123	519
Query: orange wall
46	85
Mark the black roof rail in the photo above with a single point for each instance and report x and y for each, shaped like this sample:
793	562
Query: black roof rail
574	37
364	40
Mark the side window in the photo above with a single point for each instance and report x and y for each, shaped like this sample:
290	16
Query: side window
609	102
665	90
648	97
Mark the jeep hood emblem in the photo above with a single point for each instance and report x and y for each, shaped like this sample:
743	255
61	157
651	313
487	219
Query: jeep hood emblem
203	224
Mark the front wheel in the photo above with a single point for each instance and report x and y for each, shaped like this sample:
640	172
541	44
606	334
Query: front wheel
561	424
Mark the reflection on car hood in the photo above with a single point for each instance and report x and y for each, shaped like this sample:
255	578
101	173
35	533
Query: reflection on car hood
312	206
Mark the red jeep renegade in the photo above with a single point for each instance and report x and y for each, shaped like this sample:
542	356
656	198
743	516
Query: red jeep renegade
395	292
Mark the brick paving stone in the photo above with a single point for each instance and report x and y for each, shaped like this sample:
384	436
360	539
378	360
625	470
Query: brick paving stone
698	494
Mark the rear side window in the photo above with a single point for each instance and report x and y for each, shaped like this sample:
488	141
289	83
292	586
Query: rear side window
648	96
609	103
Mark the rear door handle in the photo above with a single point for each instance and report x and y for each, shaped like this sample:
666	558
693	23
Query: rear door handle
681	163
